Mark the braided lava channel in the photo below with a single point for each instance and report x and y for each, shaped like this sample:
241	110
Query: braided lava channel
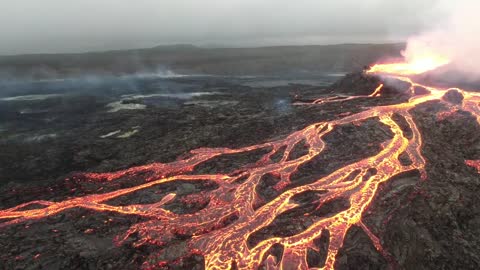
220	231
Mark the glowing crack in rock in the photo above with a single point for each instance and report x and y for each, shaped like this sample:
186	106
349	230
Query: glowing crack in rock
474	164
220	231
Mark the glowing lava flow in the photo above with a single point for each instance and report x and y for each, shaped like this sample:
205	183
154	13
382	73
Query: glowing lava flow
414	67
377	91
220	231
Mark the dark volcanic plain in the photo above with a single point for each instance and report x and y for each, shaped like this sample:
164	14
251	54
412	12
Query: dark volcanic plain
431	224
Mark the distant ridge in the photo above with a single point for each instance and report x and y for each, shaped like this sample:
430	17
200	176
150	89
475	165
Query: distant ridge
186	59
175	47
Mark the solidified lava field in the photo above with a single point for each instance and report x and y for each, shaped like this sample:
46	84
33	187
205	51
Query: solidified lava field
371	172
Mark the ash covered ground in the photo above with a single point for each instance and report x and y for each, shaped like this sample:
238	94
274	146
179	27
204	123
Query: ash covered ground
49	135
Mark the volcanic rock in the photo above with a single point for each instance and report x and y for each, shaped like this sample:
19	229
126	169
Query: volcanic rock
453	96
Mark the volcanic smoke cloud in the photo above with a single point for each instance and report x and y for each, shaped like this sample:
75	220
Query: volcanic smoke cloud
454	38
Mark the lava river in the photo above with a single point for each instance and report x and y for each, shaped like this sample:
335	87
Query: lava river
220	231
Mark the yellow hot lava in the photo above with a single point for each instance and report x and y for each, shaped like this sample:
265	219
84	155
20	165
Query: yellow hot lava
416	66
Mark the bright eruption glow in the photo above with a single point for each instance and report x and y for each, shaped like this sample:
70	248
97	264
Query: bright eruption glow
416	66
221	230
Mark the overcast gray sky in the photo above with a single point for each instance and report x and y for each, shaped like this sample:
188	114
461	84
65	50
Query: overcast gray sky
34	26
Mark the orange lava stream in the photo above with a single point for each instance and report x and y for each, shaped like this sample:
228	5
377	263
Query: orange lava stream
414	67
225	245
377	91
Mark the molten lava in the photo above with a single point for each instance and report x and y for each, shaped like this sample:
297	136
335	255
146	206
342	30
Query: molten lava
222	239
377	91
416	66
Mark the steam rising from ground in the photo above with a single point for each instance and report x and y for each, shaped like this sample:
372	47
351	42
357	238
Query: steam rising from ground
455	38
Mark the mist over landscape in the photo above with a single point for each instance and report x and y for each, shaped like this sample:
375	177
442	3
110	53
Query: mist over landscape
55	26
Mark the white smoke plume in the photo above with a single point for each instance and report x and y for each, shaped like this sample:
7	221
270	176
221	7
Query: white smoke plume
456	37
